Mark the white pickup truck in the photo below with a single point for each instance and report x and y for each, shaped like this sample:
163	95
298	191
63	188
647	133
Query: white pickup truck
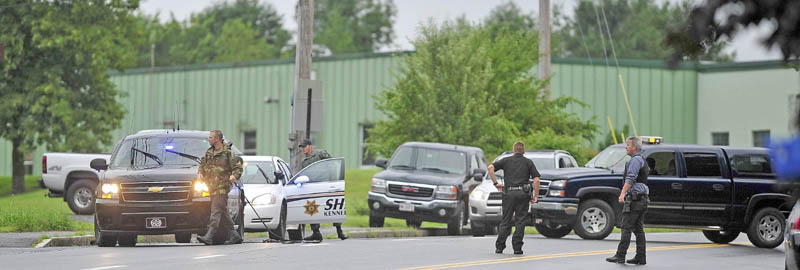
68	175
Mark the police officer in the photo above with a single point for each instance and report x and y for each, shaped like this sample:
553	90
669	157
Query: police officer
312	156
518	172
219	168
635	197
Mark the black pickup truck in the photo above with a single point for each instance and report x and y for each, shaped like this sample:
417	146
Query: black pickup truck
720	190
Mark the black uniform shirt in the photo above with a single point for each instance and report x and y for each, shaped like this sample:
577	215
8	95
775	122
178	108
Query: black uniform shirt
518	170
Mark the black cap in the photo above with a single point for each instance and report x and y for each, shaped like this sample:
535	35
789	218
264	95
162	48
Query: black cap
305	142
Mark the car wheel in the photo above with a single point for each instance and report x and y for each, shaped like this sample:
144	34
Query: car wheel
413	223
278	233
127	240
595	220
490	229
766	228
456	225
183	237
81	195
721	237
375	221
553	230
102	239
478	229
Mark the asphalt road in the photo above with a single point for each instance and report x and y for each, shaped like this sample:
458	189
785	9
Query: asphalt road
665	251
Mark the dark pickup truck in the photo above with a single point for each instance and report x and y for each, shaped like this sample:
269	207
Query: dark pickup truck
426	182
720	190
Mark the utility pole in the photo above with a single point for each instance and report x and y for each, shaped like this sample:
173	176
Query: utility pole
302	71
544	45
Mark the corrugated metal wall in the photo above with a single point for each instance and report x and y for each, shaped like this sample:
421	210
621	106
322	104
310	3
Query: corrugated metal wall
663	102
231	97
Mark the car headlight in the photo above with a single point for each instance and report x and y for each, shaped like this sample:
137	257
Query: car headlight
378	185
109	191
558	184
477	195
201	189
446	192
556	193
266	199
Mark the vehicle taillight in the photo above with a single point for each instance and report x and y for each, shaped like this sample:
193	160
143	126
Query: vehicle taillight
44	164
795	226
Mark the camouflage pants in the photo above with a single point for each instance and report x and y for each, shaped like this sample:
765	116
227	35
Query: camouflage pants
220	219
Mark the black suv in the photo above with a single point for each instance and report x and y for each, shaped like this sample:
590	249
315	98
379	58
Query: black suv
721	190
426	182
150	187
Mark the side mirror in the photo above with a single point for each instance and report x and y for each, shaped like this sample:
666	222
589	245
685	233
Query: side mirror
98	164
478	174
279	175
381	162
301	180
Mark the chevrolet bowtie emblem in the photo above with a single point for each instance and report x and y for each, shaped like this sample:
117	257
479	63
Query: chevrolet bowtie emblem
155	189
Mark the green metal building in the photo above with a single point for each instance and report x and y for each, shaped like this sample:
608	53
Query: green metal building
250	102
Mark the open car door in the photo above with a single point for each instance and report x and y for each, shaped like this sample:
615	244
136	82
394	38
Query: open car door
316	194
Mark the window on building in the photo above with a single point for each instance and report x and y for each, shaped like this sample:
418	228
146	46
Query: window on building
366	159
760	138
249	139
28	163
719	138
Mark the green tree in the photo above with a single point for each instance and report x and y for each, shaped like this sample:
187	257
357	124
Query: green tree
469	85
510	16
226	31
54	82
348	26
638	29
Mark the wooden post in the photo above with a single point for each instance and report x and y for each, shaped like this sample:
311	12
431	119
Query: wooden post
544	45
305	41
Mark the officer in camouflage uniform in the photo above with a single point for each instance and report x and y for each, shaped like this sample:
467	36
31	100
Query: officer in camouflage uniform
312	156
219	168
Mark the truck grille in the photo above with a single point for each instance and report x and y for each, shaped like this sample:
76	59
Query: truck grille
410	191
156	191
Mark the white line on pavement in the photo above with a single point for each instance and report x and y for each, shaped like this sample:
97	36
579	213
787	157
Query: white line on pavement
207	257
315	245
106	267
405	239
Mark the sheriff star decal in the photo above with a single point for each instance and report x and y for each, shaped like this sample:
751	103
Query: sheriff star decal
311	208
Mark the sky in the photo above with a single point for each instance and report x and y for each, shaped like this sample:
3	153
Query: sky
412	13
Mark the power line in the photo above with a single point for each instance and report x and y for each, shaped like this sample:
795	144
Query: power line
602	38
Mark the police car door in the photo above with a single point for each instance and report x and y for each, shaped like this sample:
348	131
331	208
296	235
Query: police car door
316	194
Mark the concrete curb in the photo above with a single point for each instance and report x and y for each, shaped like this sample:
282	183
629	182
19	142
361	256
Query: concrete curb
86	240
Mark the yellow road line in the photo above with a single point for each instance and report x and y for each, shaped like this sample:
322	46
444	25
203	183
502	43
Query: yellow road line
554	256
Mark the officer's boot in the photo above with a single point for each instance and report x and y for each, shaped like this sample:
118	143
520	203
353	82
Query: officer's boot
233	238
617	258
340	232
208	238
638	259
316	236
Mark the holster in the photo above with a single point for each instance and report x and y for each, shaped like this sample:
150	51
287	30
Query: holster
527	188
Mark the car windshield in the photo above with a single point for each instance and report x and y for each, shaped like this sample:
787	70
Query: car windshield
433	160
258	172
612	158
151	152
543	163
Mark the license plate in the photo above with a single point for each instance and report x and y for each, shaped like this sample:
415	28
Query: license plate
155	222
407	207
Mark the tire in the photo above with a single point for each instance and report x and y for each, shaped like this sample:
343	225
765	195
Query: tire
127	240
490	229
183	238
278	233
478	229
375	221
414	223
553	230
456	225
721	237
103	239
81	196
766	228
595	220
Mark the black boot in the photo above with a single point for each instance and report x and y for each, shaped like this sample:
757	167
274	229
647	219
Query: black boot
205	240
641	260
616	259
314	237
340	233
234	238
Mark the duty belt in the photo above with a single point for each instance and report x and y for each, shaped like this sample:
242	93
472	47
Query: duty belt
514	188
